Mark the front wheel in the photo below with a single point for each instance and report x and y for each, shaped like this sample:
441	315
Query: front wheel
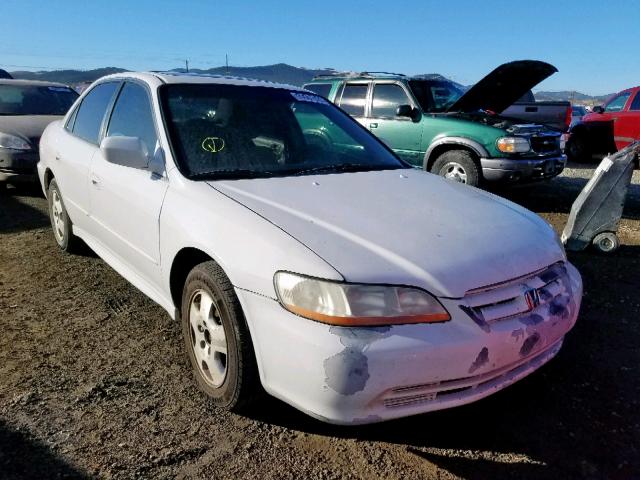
459	166
60	221
577	149
217	338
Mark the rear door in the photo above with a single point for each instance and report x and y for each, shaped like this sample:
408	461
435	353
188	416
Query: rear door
402	134
77	146
352	98
125	201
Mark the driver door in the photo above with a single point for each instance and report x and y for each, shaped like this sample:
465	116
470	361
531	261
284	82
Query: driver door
125	201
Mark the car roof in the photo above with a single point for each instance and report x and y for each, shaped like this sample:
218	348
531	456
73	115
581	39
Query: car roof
339	76
198	78
38	83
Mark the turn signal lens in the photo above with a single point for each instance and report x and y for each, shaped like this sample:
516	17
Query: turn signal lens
361	305
513	145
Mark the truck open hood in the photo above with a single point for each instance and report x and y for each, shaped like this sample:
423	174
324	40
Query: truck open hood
504	86
403	227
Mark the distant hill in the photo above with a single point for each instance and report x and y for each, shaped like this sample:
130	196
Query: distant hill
72	77
280	72
573	96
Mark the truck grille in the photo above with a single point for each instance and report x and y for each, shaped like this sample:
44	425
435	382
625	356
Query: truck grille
545	143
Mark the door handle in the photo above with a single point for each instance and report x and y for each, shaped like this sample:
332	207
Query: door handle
57	156
95	180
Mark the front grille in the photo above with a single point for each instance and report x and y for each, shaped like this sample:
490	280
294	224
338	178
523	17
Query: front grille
518	296
545	143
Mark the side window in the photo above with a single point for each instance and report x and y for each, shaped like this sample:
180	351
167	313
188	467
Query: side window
635	105
91	112
321	89
386	99
132	116
354	97
617	104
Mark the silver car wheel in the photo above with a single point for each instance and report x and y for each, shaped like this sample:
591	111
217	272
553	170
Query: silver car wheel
57	211
454	171
208	338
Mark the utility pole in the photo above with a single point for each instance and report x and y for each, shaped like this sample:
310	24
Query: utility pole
186	65
226	63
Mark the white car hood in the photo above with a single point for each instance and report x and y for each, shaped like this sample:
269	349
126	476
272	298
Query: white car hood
403	227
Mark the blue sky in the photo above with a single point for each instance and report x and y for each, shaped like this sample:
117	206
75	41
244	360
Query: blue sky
593	43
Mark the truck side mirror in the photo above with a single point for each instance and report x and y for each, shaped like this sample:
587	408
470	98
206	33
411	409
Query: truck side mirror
408	111
598	109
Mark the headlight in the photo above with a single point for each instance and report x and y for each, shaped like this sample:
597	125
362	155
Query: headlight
13	142
360	305
513	144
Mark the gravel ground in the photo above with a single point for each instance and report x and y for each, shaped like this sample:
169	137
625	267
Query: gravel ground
94	382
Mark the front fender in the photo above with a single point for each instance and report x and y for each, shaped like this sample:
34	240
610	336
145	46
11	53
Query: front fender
475	146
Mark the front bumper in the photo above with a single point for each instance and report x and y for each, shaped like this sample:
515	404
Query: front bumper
364	375
18	165
522	169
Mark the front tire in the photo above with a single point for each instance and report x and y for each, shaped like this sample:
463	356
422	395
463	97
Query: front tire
577	149
459	166
60	221
217	339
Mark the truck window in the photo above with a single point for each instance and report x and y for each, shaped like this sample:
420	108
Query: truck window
386	99
321	89
354	97
617	103
635	105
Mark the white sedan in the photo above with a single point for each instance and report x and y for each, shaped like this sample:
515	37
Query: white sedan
328	273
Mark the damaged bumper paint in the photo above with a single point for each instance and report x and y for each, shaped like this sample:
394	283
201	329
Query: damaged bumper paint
496	336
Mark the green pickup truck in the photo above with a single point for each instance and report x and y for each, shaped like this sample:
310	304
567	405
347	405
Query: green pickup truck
436	124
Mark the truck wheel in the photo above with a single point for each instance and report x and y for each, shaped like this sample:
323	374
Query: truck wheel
459	166
217	338
606	242
60	221
577	149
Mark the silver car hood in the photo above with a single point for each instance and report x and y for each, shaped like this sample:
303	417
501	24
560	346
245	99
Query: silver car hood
403	227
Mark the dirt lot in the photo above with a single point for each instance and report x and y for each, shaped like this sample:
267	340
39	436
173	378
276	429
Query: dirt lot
94	382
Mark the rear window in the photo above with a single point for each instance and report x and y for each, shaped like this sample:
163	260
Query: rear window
35	100
321	89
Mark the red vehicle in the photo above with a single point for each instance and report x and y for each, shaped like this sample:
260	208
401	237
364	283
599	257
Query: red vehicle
608	129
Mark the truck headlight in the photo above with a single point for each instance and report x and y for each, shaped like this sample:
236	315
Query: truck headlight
12	142
513	144
356	305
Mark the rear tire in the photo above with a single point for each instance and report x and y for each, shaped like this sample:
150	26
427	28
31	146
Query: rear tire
217	339
60	221
459	166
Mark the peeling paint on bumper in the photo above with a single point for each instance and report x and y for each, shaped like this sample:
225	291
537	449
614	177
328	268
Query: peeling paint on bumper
364	375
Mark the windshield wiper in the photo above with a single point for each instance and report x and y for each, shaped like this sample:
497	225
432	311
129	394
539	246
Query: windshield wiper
343	167
238	173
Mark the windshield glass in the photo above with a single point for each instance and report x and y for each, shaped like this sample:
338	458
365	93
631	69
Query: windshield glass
35	100
435	95
231	131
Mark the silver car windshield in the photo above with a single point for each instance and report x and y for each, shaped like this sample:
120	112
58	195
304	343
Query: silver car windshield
231	131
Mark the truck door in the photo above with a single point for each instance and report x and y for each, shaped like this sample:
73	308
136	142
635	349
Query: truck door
634	116
616	112
402	134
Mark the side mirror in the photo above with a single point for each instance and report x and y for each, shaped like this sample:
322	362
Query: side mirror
125	151
408	111
598	109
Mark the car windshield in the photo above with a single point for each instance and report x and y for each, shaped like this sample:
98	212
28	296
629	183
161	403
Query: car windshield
231	132
435	95
35	99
